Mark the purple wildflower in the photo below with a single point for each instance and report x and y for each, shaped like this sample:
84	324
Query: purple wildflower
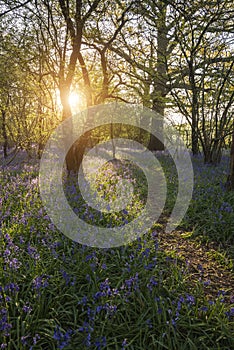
124	344
62	338
40	282
4	325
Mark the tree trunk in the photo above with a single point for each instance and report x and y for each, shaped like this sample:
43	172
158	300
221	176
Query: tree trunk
40	121
230	180
4	134
40	101
195	147
160	80
70	156
157	124
213	154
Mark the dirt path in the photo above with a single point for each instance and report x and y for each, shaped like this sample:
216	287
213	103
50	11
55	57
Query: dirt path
202	263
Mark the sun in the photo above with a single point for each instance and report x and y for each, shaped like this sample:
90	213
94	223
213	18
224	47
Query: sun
74	99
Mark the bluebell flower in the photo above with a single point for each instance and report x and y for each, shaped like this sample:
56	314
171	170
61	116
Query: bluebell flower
206	283
68	278
200	268
62	338
221	293
40	282
4	325
100	342
27	308
88	340
14	264
111	309
146	252
124	344
12	287
85	328
98	295
179	305
132	282
190	299
32	251
204	308
105	286
99	308
152	283
83	301
230	313
7	252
